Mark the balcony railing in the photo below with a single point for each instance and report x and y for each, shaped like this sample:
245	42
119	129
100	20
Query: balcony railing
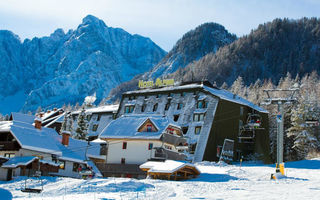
173	139
9	145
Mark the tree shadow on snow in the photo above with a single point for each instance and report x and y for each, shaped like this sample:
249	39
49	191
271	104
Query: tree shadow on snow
303	164
205	177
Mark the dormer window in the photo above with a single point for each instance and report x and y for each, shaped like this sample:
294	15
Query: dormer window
155	107
129	109
149	128
201	104
143	107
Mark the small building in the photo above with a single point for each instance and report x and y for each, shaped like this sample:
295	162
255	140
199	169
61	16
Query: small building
22	139
208	116
98	118
135	139
170	170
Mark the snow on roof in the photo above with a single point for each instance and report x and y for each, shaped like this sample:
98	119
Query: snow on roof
34	139
47	140
5	125
127	126
99	141
220	93
228	96
169	166
22	117
19	161
100	109
49	113
58	119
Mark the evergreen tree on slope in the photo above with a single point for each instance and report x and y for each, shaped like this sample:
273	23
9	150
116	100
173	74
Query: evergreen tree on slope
82	128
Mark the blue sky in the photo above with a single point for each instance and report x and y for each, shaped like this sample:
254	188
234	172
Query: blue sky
164	21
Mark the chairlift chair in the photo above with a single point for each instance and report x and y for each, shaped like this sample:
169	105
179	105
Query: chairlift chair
33	190
246	135
254	120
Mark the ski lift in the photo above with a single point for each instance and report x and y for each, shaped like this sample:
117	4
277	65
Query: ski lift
254	120
33	190
246	135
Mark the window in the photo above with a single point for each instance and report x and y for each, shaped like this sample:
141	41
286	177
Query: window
132	97
198	117
175	118
180	105
123	161
129	109
150	146
167	106
95	127
99	117
241	111
192	148
169	95
167	147
155	107
114	116
62	164
76	167
197	130
149	128
219	148
170	131
146	97
9	155
143	107
201	104
157	96
183	94
124	145
103	149
54	158
184	130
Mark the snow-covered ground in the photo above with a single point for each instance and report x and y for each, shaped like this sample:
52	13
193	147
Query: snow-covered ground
251	181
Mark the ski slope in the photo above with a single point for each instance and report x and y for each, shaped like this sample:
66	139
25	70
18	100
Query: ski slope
217	181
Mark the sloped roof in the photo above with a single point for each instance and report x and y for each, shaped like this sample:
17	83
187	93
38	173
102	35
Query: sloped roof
169	166
100	109
127	126
19	161
47	140
34	139
220	93
15	116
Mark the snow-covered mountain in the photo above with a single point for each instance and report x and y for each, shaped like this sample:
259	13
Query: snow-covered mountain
206	38
66	67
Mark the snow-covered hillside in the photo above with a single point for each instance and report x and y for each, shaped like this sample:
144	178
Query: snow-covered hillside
251	181
66	67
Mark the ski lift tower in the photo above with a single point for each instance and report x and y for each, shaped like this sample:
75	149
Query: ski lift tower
280	97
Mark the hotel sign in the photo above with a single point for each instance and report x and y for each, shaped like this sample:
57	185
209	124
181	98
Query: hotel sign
159	83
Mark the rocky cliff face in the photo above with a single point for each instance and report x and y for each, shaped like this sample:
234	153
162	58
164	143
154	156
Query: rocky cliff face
206	38
66	67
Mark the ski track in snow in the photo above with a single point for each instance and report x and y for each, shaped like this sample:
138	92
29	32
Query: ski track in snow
251	181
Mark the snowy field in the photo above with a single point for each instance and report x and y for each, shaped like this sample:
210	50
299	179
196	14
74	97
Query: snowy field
251	181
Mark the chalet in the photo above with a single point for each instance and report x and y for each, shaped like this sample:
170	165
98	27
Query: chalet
135	139
170	170
208	117
22	140
98	118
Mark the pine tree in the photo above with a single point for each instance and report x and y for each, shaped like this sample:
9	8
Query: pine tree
81	131
304	140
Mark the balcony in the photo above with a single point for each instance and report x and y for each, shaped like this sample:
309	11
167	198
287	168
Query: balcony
173	139
9	146
164	154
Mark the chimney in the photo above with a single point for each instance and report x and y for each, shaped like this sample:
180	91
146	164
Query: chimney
55	109
65	138
41	114
37	123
